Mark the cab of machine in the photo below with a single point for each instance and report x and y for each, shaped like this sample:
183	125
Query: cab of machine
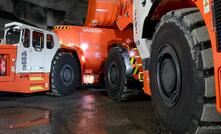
35	47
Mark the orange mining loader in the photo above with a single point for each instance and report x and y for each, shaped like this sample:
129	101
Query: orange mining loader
99	48
59	61
179	44
36	60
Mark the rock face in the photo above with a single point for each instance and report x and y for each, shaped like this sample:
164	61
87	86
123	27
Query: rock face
44	13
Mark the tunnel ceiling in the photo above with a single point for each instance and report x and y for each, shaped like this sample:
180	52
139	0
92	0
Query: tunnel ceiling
44	13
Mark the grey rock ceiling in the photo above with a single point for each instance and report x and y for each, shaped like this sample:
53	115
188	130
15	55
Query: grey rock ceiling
44	13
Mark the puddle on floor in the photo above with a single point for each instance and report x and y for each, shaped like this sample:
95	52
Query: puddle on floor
23	117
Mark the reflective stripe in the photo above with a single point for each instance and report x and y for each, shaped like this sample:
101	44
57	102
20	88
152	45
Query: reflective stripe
140	76
36	78
132	60
136	56
34	88
138	65
136	70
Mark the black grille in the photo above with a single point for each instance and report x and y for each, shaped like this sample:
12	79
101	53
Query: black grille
217	19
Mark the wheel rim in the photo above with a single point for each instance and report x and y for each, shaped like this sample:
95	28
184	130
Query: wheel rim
168	75
67	75
113	73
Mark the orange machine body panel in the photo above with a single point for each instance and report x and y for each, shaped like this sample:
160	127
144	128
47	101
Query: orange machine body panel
110	13
23	83
146	82
208	17
169	5
102	13
94	43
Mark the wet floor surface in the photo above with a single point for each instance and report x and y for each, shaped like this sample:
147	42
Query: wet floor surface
84	112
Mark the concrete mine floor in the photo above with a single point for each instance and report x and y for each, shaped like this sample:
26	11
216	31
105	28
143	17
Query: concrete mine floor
84	112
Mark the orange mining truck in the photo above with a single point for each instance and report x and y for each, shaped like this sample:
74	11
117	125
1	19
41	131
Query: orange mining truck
179	42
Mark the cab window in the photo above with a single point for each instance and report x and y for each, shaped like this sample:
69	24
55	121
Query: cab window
50	41
13	36
26	40
38	41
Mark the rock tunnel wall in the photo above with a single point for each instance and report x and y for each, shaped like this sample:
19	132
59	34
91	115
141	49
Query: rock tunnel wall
43	13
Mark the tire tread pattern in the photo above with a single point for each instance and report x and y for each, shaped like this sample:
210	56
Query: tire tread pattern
191	23
58	56
124	93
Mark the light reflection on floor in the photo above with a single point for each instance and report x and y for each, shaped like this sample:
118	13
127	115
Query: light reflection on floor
84	112
12	117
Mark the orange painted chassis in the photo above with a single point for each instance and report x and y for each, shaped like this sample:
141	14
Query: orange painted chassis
92	45
21	83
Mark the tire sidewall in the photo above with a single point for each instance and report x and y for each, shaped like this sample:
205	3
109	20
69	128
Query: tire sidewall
174	118
64	89
115	57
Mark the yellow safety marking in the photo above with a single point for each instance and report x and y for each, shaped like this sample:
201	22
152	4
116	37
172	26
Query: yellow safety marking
136	56
132	60
138	65
34	88
136	70
133	69
62	28
36	78
140	76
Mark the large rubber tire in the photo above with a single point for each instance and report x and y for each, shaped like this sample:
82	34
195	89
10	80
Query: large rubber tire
65	74
182	75
118	85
